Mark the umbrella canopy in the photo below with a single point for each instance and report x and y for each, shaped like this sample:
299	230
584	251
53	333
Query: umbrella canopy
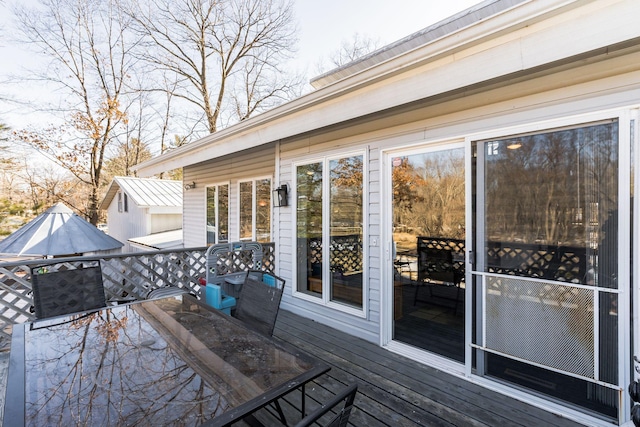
57	231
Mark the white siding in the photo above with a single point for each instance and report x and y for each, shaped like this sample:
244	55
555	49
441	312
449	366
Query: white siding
124	225
499	80
162	222
566	92
231	169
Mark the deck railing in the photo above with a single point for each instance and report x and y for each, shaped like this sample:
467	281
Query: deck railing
130	275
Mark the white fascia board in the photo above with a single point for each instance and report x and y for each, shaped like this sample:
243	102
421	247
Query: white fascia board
528	35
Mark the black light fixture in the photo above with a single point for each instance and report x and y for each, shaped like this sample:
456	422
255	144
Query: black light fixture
190	186
281	196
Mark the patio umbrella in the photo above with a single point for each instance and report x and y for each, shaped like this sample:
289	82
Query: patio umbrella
57	231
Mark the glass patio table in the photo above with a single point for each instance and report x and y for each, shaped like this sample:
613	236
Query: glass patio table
171	361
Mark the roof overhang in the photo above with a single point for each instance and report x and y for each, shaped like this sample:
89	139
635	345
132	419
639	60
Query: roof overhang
510	42
113	189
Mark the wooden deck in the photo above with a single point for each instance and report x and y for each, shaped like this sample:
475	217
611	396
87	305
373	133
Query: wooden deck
396	391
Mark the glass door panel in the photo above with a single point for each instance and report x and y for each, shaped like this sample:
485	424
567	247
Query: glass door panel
345	228
428	208
309	228
546	277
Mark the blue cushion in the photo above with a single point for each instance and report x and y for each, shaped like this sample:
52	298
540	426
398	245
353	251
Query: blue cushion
269	280
217	299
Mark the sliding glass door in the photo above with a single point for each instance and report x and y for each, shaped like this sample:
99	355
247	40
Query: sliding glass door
428	211
546	275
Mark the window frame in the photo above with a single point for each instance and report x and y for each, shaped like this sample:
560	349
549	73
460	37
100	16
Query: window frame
325	298
254	207
217	212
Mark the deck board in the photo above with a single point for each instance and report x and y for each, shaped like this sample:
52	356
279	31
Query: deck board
397	391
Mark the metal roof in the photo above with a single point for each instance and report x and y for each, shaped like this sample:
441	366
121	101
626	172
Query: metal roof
146	192
164	240
57	231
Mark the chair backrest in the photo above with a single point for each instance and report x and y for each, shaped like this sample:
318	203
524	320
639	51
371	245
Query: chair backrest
62	292
229	258
341	418
259	300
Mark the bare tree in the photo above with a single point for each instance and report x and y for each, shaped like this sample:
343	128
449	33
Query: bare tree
90	63
46	185
129	154
260	89
212	45
349	51
6	160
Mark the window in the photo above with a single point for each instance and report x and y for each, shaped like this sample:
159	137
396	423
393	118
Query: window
217	214
123	202
255	210
329	229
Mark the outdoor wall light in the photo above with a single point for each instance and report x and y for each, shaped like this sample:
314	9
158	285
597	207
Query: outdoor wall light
189	186
281	196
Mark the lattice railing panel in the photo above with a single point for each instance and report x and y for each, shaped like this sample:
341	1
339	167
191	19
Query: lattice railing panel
346	252
447	266
127	275
269	257
561	263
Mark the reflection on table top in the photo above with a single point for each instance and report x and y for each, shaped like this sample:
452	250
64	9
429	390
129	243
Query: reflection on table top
161	362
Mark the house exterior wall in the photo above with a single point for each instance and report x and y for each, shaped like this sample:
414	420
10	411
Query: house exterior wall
516	74
124	225
164	222
600	85
230	169
566	91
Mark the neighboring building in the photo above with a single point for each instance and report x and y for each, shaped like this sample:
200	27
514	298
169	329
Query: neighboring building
58	232
487	163
144	213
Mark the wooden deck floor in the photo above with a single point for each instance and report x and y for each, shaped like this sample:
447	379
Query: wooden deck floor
396	391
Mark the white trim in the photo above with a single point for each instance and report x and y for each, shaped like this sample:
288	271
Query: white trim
622	115
423	146
469	285
254	205
427	358
275	213
325	160
544	125
386	251
635	238
217	212
624	250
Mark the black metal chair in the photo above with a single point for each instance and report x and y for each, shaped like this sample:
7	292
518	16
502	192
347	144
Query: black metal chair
436	267
56	293
259	301
338	419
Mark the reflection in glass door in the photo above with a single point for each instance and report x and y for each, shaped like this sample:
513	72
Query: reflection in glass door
547	280
428	208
